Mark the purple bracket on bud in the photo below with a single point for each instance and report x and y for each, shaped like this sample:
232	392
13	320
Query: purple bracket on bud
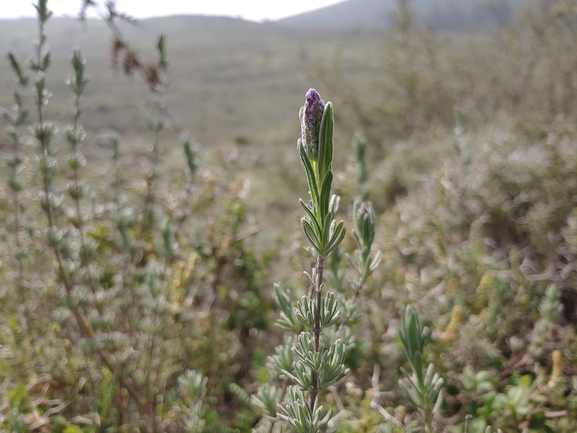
311	115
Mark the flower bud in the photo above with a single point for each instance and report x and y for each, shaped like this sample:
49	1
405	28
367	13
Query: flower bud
364	220
311	115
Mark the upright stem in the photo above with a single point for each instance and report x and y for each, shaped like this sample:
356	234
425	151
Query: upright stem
151	179
319	267
84	255
429	421
16	209
84	327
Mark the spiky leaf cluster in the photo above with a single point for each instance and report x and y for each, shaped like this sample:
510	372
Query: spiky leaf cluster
299	414
364	234
425	391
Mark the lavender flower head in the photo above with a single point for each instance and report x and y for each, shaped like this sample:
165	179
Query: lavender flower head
311	115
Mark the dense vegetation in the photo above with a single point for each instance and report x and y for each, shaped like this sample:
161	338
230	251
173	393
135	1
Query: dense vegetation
138	273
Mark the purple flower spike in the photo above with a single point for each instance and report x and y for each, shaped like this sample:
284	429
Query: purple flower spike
311	117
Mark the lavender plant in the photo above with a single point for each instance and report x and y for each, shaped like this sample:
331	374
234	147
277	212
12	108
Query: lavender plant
424	389
307	361
16	119
364	232
124	295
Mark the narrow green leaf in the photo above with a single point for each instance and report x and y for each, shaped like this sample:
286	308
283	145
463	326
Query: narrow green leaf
328	221
337	238
326	141
418	366
311	236
311	215
325	194
334	203
309	172
162	60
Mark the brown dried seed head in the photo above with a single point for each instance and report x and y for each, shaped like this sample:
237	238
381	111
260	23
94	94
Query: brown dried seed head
152	75
117	47
130	62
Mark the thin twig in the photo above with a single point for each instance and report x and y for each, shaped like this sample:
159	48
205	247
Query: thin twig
377	393
468	418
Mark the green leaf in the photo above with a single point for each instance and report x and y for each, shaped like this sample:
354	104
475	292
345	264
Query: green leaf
107	389
330	313
311	235
518	396
311	179
265	399
305	312
281	297
162	61
537	421
16	396
525	381
325	194
326	141
311	215
334	203
190	154
336	239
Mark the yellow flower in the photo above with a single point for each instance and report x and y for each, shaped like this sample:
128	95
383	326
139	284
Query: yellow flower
453	326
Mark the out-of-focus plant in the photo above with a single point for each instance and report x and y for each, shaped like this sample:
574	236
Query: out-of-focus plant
424	389
480	265
190	405
550	310
426	73
360	149
364	233
15	159
114	289
518	407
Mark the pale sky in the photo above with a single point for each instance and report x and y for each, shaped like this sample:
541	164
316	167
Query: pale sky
255	10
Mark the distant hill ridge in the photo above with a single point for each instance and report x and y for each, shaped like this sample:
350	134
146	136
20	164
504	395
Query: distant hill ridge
437	14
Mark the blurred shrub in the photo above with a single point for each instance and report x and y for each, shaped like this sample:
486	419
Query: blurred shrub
520	73
480	242
116	289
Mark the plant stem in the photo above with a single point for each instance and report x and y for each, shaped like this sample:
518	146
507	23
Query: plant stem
84	255
319	267
467	420
84	327
150	197
16	207
429	421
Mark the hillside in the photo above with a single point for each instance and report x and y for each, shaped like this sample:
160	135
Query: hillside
224	72
350	14
437	14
